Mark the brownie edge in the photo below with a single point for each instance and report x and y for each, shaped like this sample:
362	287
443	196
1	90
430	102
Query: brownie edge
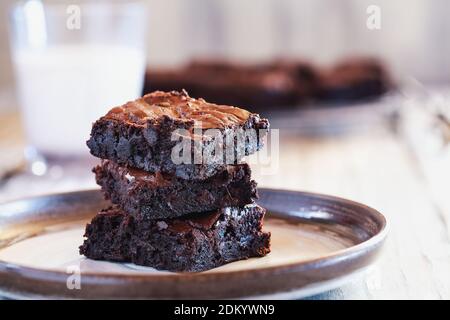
160	196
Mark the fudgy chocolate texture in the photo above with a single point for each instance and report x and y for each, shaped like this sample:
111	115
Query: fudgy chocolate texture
159	195
193	243
140	134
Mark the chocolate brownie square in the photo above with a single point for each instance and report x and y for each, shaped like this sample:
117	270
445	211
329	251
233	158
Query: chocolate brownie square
192	243
259	86
354	80
145	134
161	195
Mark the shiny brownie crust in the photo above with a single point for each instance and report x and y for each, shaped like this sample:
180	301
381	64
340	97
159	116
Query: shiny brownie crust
139	133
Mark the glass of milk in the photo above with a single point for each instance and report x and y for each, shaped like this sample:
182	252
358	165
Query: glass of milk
74	60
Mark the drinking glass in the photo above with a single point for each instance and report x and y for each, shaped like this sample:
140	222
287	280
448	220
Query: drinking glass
73	61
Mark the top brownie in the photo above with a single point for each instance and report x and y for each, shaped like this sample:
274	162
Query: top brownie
171	132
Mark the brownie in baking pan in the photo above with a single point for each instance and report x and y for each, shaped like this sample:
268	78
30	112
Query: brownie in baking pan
277	84
192	243
159	195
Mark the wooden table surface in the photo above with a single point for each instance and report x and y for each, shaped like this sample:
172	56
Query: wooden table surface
378	167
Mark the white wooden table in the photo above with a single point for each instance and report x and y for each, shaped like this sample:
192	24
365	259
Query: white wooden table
374	166
377	169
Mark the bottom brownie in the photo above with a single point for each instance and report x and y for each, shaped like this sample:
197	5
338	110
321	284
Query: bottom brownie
191	243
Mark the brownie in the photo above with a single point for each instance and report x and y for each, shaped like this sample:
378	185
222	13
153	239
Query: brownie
143	134
192	243
304	76
258	86
354	80
275	84
160	195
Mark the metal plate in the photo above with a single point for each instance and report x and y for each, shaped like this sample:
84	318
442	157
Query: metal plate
318	242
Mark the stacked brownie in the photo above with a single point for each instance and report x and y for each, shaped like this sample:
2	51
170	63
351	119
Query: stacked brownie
189	215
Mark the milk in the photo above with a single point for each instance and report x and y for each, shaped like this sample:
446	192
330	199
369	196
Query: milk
63	89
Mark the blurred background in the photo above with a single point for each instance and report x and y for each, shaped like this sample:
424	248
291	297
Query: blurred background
413	38
322	71
359	90
319	69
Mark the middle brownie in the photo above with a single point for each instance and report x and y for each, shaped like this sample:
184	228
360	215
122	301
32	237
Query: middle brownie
160	195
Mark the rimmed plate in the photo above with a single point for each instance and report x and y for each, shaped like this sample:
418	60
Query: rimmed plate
318	242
